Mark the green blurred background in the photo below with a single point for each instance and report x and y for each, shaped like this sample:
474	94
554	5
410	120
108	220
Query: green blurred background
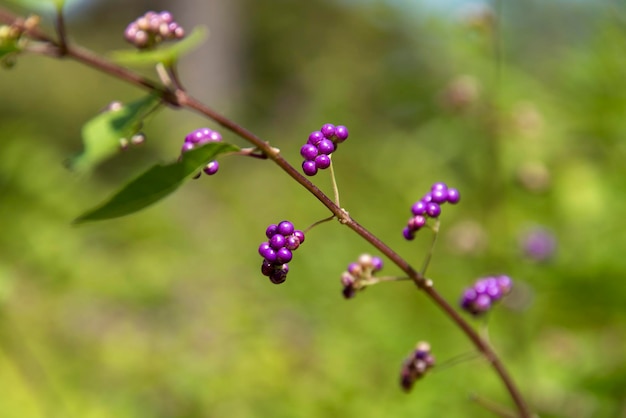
519	104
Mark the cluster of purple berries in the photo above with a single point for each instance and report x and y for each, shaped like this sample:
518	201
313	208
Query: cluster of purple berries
277	251
416	365
429	206
200	137
316	152
152	28
360	274
484	293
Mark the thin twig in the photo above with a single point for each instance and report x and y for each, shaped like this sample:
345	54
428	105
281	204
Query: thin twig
321	221
61	31
429	255
334	181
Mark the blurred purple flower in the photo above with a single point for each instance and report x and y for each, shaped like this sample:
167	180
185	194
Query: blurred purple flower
538	244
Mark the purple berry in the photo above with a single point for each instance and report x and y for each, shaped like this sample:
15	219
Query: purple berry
453	196
279	275
433	209
439	196
482	303
299	234
341	133
285	228
277	242
201	135
265	249
315	137
377	263
271	230
328	130
427	198
439	186
322	161
326	146
309	152
416	222
408	234
469	296
283	255
292	242
309	168
187	146
418	208
348	292
538	244
267	268
355	269
494	292
504	283
166	17
215	136
211	168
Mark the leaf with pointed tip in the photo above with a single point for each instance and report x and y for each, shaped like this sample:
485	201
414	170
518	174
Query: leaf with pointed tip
102	134
156	183
167	55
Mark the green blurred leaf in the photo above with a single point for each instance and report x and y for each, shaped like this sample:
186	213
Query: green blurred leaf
8	48
166	55
156	183
42	5
102	134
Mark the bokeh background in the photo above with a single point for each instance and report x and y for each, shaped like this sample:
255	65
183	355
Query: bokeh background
519	104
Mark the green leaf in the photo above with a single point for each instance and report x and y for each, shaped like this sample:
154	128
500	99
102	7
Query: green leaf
156	183
102	134
167	55
8	48
39	5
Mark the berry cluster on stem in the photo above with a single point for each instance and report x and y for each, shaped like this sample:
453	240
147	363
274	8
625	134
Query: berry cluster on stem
429	206
479	298
320	145
200	137
283	239
360	274
152	28
416	365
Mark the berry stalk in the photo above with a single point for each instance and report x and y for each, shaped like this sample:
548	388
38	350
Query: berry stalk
179	98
